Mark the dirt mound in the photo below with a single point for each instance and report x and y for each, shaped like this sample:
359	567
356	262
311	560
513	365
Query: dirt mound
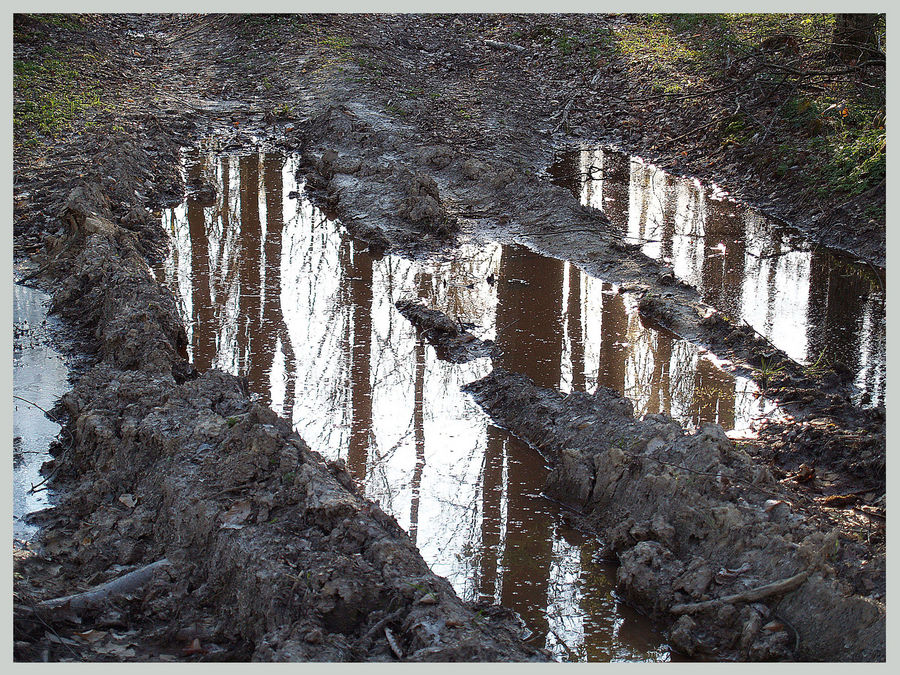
705	537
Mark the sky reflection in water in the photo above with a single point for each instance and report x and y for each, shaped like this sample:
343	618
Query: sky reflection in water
273	290
809	302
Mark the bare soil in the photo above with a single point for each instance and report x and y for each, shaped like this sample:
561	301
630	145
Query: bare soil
416	132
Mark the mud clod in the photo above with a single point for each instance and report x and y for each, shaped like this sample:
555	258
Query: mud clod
422	205
452	341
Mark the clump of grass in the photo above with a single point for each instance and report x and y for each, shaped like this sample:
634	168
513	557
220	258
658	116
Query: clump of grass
768	367
820	367
50	94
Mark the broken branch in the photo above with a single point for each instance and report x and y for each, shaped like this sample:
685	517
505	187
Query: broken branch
123	585
754	594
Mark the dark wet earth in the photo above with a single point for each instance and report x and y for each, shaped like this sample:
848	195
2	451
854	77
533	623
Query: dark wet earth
272	289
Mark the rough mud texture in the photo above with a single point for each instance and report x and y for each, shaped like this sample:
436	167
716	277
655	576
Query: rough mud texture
418	133
451	339
692	519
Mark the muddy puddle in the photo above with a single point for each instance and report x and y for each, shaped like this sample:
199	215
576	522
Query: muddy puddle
39	379
273	290
808	301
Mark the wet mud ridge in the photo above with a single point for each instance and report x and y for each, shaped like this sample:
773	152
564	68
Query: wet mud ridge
705	537
451	339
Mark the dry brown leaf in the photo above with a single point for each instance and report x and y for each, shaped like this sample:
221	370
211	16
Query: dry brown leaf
234	517
92	635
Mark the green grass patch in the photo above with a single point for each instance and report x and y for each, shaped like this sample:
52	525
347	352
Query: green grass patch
50	94
35	26
335	42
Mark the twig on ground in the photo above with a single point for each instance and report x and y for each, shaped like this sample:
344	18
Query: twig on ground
93	598
754	594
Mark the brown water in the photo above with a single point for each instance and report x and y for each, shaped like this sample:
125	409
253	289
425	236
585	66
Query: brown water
273	290
809	302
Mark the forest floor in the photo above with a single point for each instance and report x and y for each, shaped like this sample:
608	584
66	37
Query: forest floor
413	130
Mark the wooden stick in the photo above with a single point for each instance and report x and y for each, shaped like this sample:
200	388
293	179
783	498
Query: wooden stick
127	583
754	594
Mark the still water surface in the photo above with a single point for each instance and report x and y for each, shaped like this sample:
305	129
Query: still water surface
272	289
40	378
810	302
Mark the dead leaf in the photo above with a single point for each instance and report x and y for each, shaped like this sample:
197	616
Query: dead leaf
195	647
119	651
128	500
234	517
392	641
53	637
92	635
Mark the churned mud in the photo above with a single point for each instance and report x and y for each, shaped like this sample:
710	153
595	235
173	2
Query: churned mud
282	253
704	536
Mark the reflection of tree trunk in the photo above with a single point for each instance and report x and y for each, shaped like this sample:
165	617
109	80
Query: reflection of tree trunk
226	270
419	434
576	330
204	334
361	355
616	174
250	334
422	280
273	325
530	341
343	298
529	537
714	396
599	609
667	226
614	324
833	322
491	516
529	315
566	172
660	395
